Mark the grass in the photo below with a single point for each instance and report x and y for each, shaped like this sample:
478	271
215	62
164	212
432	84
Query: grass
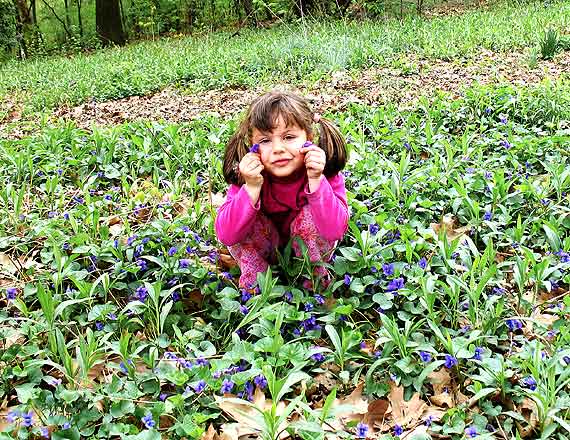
291	53
117	314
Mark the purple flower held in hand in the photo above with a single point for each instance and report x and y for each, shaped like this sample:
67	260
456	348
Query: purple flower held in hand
254	148
450	361
227	386
361	430
398	430
148	421
425	356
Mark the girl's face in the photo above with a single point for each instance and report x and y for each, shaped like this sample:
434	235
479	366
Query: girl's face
279	148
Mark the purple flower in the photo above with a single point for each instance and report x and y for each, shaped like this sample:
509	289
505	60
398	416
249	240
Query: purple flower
288	296
471	432
503	119
11	293
425	356
478	353
148	421
488	215
347	279
243	309
529	382
175	296
361	430
200	386
142	264
184	263
398	430
66	425
27	418
514	324
141	293
318	357
260	381
309	307
423	263
172	251
227	386
428	420
395	285
320	299
12	416
254	148
99	325
450	361
44	431
374	228
388	269
131	239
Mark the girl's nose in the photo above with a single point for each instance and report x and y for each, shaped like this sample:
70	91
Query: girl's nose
278	146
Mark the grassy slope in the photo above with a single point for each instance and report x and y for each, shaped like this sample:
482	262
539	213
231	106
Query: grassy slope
286	52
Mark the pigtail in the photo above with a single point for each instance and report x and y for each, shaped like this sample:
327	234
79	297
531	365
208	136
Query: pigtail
236	149
333	144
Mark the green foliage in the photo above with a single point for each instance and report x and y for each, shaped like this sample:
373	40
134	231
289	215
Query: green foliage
7	27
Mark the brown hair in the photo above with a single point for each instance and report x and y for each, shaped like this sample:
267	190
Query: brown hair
262	114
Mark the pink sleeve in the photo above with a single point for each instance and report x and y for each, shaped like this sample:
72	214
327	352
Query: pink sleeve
236	216
329	207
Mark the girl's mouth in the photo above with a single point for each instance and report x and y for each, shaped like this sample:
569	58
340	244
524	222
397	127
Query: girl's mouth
281	162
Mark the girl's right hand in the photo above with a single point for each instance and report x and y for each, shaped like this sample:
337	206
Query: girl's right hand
250	168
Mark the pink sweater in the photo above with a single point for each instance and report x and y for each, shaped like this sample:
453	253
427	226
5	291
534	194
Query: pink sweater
281	200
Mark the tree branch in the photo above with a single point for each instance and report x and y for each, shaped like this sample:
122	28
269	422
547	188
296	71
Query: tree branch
58	19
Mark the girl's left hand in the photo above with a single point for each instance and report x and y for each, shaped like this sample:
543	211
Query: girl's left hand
315	160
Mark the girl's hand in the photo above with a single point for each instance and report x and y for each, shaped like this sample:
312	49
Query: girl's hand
315	160
250	168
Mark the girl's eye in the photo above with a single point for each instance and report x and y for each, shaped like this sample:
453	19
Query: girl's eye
263	141
289	137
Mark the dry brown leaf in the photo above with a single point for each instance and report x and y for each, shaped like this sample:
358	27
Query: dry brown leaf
449	226
529	411
7	264
377	411
405	412
210	433
246	416
440	380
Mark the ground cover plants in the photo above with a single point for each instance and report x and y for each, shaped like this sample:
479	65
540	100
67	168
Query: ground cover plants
305	52
121	318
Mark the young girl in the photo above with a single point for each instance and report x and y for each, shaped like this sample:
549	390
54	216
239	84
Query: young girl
282	185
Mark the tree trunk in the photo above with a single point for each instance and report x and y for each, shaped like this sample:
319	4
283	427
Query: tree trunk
79	22
303	7
67	16
108	21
